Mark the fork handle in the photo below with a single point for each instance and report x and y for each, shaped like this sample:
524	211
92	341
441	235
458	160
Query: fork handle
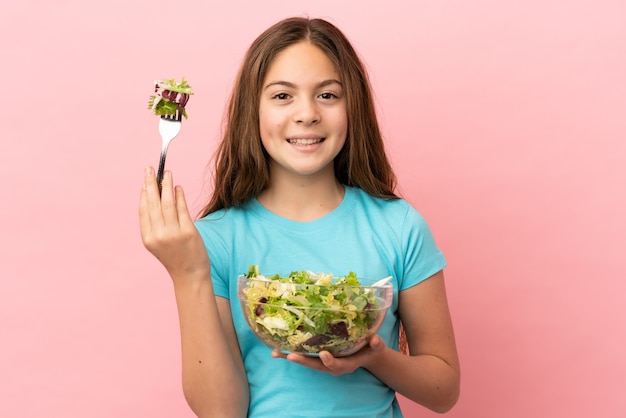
161	169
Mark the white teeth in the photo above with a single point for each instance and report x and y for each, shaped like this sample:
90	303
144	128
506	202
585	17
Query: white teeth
303	141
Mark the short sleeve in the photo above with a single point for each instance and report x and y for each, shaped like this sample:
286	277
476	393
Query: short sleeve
422	256
217	256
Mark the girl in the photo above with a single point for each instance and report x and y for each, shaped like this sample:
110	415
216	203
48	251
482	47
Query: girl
302	182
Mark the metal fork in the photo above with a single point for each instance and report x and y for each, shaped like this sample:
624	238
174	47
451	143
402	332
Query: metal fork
169	127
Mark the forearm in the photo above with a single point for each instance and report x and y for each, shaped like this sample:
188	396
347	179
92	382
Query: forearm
425	379
214	380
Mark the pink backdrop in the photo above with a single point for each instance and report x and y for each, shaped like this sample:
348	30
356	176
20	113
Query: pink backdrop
505	121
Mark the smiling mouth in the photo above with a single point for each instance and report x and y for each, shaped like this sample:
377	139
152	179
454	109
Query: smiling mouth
304	141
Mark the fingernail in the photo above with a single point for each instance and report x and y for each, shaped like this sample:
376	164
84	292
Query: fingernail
167	174
149	171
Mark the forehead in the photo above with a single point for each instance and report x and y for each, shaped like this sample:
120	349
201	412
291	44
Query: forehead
302	61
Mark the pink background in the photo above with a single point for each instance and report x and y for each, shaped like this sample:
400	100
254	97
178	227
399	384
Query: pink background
505	121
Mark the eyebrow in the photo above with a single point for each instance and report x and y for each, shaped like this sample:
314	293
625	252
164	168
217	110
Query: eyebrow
291	85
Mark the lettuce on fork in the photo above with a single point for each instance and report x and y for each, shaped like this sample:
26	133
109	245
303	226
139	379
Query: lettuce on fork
170	96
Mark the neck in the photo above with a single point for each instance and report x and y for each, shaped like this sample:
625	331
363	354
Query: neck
302	198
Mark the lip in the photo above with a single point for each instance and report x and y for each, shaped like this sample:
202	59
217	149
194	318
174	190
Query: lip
306	143
306	136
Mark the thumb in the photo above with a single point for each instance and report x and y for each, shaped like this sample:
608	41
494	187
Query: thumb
376	343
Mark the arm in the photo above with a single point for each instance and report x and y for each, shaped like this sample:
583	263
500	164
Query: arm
430	375
214	379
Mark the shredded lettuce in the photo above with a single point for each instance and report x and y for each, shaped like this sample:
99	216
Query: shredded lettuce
310	312
170	96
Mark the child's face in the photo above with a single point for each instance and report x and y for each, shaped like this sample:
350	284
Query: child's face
302	112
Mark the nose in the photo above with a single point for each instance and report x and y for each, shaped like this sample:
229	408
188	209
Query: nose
306	112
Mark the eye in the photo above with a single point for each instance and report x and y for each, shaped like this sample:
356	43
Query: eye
281	96
328	96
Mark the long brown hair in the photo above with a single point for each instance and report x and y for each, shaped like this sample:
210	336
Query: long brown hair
242	164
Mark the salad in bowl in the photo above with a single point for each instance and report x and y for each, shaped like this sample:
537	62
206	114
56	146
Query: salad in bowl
308	312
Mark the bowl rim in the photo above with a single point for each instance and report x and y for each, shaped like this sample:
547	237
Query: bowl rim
382	307
243	278
384	294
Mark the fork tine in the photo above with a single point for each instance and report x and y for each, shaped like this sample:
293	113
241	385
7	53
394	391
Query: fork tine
177	117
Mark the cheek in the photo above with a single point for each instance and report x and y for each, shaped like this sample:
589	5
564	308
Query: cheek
340	118
269	123
268	129
345	127
341	124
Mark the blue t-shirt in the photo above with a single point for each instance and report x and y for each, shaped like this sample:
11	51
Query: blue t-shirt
372	237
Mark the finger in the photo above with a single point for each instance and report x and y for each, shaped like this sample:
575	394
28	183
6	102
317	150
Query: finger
168	199
338	366
376	343
278	354
153	198
184	218
328	360
311	362
144	218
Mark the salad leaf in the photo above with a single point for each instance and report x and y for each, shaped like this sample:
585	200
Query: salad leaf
170	96
253	271
172	85
308	312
